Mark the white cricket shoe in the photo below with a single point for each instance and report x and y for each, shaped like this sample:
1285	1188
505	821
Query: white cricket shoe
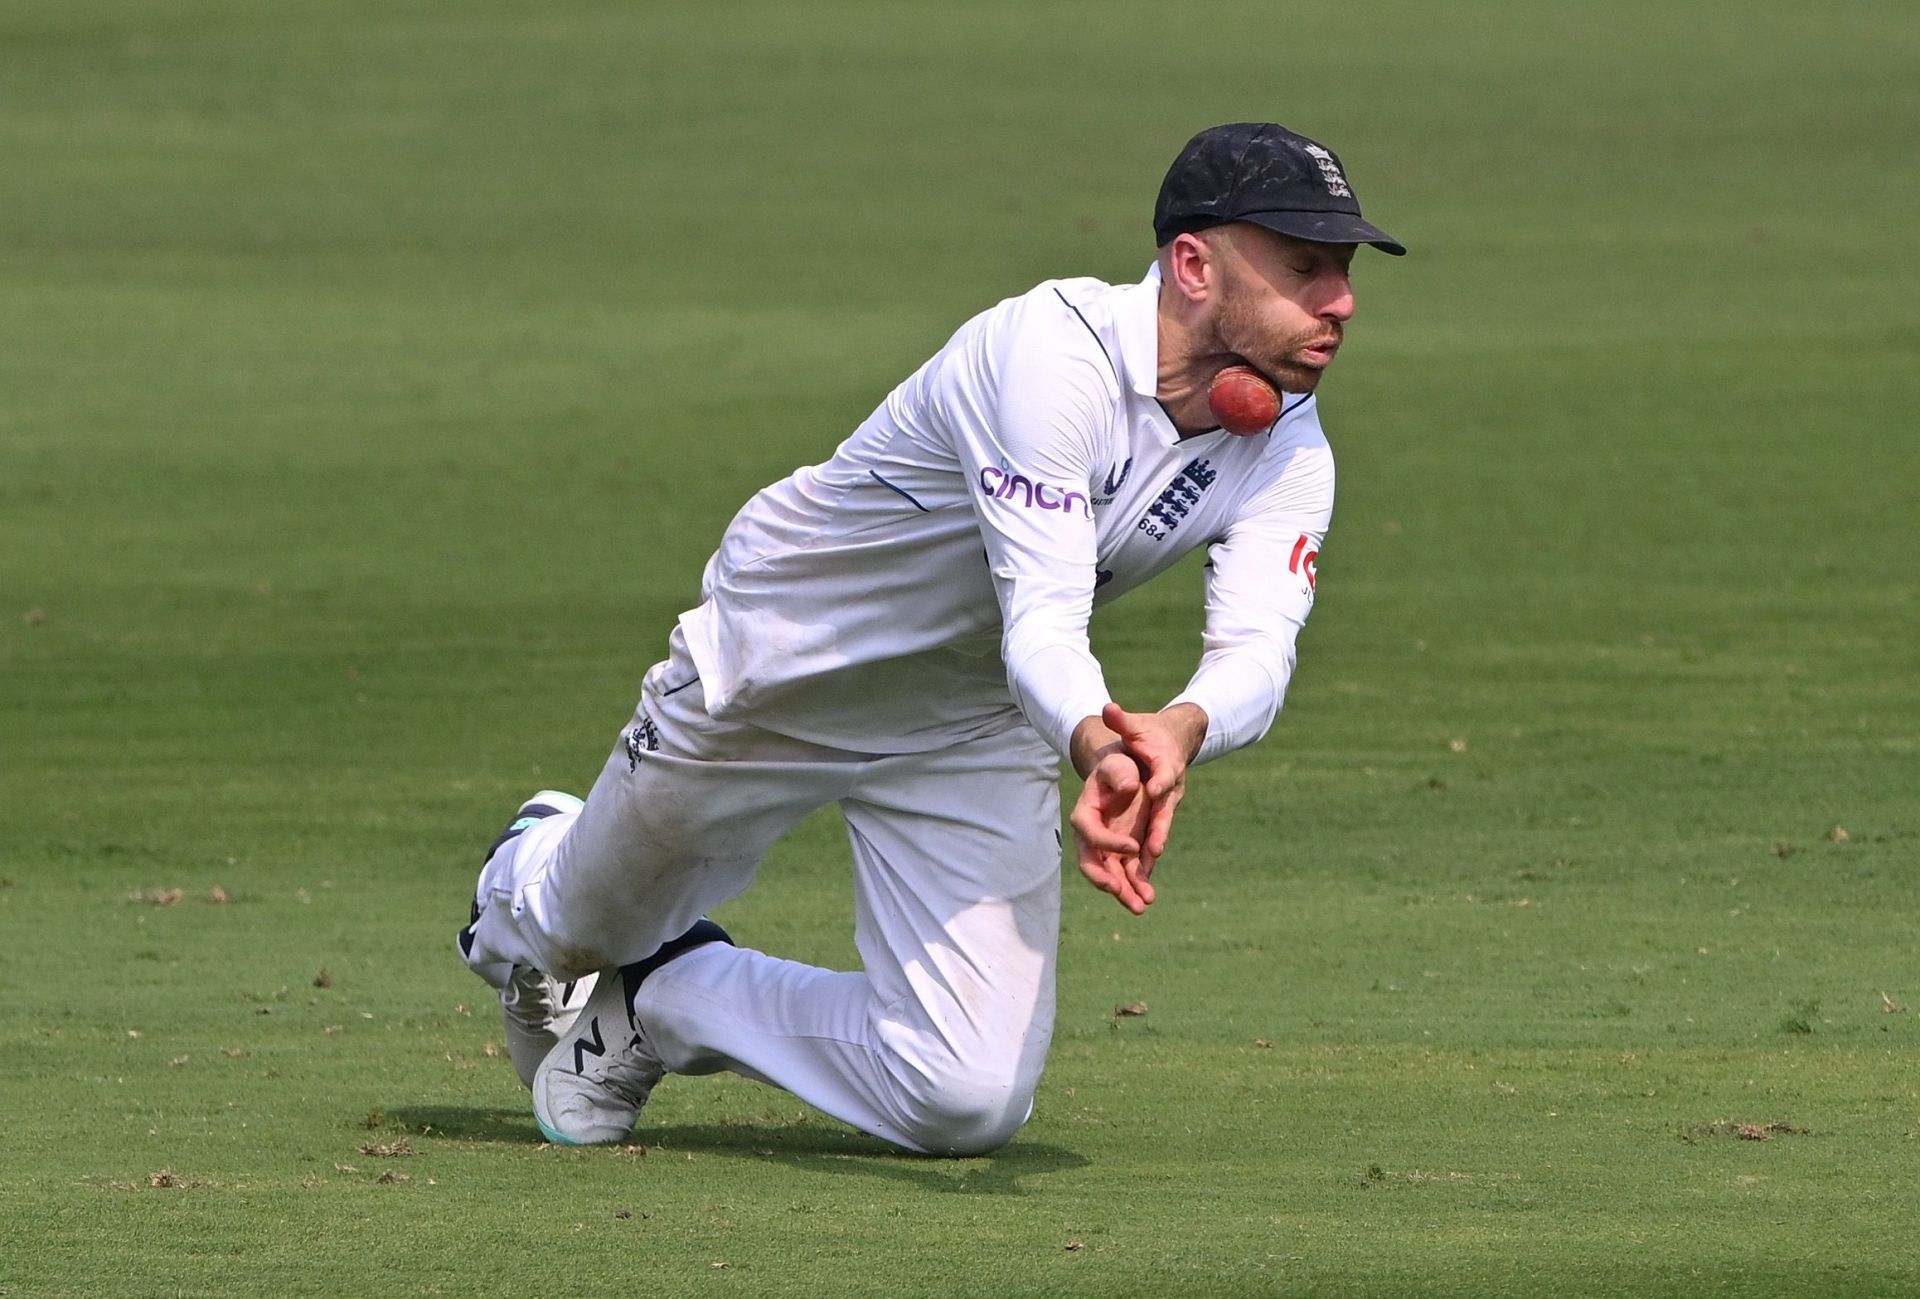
546	803
535	1009
589	1088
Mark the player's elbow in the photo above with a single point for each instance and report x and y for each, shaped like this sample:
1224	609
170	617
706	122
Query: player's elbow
1245	682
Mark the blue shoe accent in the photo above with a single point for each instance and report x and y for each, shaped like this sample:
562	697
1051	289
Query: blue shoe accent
548	802
555	1137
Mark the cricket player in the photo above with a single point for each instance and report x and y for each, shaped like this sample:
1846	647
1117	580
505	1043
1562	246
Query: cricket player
902	630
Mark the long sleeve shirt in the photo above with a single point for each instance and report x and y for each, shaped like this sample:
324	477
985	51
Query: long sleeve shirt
932	581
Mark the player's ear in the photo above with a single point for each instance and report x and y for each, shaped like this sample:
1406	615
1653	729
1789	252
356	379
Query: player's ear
1187	263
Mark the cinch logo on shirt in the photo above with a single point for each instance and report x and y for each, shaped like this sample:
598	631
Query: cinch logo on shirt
1000	485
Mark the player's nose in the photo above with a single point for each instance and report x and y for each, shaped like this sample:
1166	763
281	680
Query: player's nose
1338	303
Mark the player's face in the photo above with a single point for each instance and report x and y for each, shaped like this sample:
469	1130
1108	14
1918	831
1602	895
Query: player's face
1284	303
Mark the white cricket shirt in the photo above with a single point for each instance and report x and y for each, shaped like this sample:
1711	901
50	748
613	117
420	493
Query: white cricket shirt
932	581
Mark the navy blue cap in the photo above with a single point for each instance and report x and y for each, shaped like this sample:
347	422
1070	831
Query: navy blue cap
1266	174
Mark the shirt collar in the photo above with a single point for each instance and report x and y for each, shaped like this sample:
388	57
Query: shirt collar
1138	321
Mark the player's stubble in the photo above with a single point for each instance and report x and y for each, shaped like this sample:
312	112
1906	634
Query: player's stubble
1278	353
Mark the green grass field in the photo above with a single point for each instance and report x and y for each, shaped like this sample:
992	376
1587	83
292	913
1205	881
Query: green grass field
374	379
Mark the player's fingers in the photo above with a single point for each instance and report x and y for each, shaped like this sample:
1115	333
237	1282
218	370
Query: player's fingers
1151	748
1095	871
1095	833
1117	776
1144	734
1164	774
1160	826
1126	888
1129	725
1098	838
1105	827
1104	872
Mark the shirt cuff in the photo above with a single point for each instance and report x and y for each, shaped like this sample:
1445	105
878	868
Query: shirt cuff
1240	698
1057	687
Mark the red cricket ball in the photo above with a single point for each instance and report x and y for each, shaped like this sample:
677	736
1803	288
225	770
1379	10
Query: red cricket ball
1242	400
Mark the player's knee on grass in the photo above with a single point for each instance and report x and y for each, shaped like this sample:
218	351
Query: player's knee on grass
962	1112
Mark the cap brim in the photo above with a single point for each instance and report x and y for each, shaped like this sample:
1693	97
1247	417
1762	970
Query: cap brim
1327	228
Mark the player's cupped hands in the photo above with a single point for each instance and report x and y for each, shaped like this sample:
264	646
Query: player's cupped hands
1162	744
1112	822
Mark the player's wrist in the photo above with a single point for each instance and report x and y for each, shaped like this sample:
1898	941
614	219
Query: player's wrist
1091	741
1188	722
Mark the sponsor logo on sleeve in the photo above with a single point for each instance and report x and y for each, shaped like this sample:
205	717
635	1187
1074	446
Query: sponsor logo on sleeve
1018	489
1301	561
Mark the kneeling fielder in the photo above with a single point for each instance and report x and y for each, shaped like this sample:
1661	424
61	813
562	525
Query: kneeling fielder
854	644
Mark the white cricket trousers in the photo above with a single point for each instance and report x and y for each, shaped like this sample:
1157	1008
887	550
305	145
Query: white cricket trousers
937	1043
